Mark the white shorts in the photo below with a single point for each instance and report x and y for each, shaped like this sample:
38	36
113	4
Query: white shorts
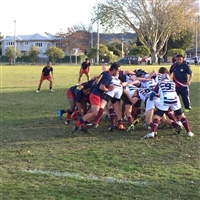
116	92
151	104
161	106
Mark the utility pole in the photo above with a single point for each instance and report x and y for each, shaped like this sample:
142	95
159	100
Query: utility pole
92	43
196	36
97	42
14	42
122	44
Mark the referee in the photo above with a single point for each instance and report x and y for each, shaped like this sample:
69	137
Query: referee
182	76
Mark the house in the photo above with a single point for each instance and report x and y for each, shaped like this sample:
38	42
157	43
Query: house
24	42
192	52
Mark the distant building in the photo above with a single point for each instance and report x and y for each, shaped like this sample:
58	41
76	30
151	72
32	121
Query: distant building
24	42
192	52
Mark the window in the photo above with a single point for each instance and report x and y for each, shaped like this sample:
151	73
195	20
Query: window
58	45
26	43
10	43
38	44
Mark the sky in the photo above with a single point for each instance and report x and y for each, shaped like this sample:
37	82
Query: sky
39	16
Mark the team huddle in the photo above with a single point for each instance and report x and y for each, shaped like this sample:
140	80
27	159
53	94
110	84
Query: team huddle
134	96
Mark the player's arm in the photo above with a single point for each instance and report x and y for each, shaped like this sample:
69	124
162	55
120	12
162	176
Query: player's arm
52	73
128	72
42	74
133	99
135	82
171	69
154	93
81	68
190	78
80	110
106	89
153	73
89	68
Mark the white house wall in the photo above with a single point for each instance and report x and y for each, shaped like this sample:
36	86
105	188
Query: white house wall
46	40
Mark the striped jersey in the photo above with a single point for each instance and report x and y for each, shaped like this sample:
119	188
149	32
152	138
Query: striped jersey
167	91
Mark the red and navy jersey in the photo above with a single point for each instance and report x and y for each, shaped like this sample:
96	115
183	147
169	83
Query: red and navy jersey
180	73
91	83
47	71
105	79
79	95
77	91
85	65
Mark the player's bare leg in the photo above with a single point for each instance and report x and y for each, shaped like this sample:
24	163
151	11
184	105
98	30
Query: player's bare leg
88	77
40	84
50	84
79	78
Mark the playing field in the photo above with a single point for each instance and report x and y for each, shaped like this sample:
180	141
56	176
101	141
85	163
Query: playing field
42	159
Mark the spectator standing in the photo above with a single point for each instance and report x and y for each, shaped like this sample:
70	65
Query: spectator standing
180	72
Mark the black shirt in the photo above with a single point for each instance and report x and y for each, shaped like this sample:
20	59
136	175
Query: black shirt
85	65
47	71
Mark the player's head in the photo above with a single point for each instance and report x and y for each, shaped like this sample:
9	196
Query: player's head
139	72
114	69
179	59
163	70
86	89
48	63
87	60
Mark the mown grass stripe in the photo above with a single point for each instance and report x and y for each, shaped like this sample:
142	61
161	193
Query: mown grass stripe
92	178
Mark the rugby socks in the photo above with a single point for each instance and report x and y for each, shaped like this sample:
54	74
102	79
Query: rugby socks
112	116
137	113
184	121
68	114
174	124
170	115
63	111
98	117
154	125
120	121
79	122
130	120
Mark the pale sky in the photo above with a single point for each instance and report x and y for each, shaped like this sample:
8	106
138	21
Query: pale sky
39	16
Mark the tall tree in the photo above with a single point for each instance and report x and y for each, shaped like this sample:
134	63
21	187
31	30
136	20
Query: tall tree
55	53
1	37
33	53
140	51
10	53
152	20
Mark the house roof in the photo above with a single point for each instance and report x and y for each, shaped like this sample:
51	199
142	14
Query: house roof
193	50
33	37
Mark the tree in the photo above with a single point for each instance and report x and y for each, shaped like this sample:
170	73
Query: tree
55	53
182	42
154	21
104	53
173	52
10	53
1	37
33	53
140	51
115	47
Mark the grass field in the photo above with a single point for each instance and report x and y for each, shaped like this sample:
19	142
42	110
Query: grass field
42	159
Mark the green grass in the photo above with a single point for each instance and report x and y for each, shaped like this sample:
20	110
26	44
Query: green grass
32	138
